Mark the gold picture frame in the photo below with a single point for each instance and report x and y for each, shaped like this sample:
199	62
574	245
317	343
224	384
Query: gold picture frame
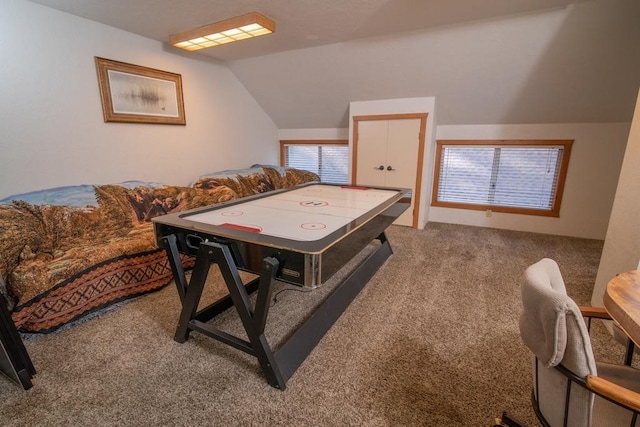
135	94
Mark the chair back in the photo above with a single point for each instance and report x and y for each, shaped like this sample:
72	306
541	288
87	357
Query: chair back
553	328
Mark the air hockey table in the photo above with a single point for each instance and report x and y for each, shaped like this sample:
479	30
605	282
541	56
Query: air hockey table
300	236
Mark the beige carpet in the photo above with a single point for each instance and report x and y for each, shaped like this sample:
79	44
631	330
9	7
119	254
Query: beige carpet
432	340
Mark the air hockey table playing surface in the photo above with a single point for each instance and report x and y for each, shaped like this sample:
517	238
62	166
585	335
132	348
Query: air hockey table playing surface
313	229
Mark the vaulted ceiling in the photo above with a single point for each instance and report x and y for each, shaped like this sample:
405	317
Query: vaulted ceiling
486	62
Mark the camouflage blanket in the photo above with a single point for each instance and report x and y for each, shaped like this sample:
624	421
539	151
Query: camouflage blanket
62	261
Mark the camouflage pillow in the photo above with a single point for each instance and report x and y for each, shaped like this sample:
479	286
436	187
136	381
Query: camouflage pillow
133	206
247	182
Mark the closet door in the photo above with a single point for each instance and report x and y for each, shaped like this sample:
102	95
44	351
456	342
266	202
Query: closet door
402	158
387	155
402	153
372	152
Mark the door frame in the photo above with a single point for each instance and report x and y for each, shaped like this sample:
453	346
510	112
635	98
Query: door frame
420	161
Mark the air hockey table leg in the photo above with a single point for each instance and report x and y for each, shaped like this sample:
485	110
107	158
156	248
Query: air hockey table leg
254	321
278	366
170	244
192	294
303	340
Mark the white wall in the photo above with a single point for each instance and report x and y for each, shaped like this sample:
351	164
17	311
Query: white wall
404	106
52	131
575	64
325	133
590	186
592	176
621	250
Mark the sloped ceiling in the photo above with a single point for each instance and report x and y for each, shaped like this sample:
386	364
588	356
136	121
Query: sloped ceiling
486	62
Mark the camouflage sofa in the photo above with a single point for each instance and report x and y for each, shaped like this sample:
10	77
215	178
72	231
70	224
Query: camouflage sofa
67	252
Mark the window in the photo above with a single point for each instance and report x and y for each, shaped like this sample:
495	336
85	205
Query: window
504	176
329	159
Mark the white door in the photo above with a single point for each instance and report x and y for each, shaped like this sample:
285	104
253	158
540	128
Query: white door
372	152
402	153
394	145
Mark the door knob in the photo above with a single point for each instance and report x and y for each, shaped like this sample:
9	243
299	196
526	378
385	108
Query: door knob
389	168
380	168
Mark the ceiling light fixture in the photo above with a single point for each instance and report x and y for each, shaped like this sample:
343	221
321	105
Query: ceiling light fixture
230	30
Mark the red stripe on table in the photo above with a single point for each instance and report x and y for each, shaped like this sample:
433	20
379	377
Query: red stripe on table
241	227
354	187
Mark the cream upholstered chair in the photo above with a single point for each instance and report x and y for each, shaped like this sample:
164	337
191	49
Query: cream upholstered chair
569	387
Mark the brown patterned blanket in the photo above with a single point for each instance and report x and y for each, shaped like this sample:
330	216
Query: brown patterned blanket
62	262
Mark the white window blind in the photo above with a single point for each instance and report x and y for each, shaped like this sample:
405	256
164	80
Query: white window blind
511	176
329	161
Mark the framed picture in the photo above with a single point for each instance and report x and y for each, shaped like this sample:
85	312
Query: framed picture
134	94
